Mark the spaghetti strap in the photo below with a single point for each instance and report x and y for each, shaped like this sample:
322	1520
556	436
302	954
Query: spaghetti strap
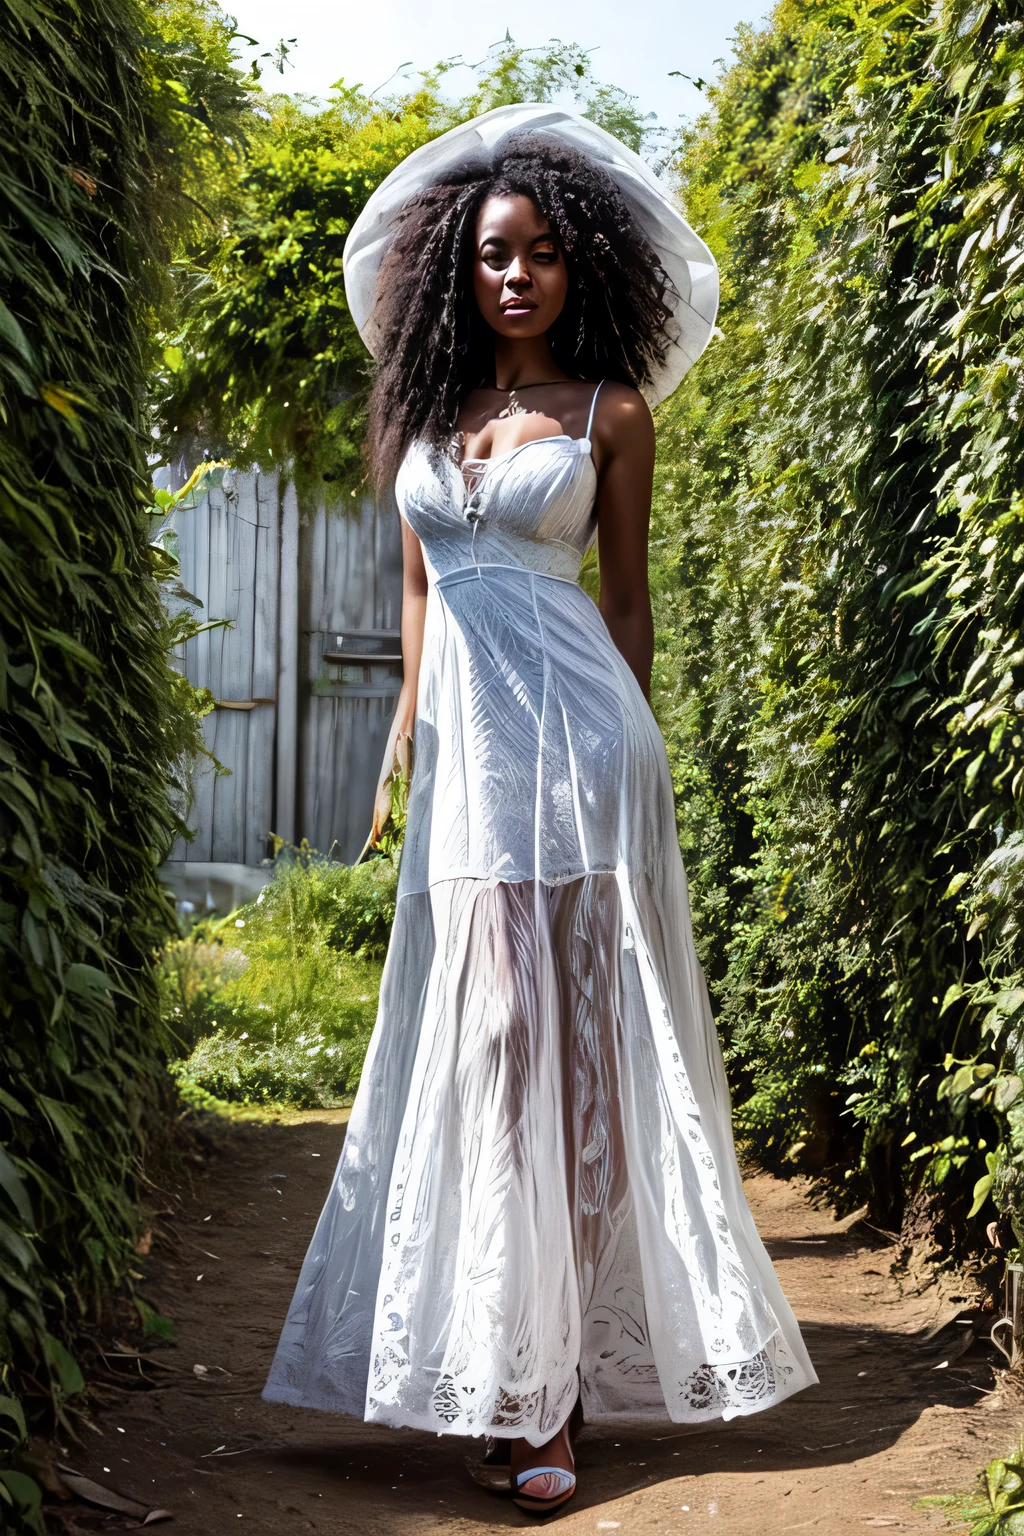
590	419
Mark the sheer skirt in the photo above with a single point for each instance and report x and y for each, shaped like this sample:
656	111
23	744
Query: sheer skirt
538	1192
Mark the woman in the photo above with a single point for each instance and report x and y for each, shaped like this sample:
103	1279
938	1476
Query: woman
538	1214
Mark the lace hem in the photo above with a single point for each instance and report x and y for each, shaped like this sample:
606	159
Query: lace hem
728	1391
710	1392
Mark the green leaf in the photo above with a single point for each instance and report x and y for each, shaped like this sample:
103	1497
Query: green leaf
16	1246
88	981
973	770
154	1326
10	1408
64	1365
13	1184
27	1497
951	995
62	1118
15	337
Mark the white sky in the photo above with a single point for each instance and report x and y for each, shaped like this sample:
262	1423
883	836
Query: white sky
636	42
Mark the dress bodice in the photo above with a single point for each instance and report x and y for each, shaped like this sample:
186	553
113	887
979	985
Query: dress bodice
532	507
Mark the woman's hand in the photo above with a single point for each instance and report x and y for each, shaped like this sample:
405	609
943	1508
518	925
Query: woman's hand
397	763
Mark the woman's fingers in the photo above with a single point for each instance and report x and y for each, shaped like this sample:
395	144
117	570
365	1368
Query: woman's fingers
381	807
399	768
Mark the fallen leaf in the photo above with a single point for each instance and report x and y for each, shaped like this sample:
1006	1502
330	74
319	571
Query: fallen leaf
144	1244
105	1498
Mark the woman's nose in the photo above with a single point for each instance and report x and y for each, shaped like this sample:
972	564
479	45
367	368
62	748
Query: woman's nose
518	274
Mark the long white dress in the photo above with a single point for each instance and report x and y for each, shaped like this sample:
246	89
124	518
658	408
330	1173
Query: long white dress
538	1191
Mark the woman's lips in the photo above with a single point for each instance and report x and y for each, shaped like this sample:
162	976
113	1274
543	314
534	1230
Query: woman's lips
520	307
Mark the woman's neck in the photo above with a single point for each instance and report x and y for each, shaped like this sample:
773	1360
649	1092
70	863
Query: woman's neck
529	361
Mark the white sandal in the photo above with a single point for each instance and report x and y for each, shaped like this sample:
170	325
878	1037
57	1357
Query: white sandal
566	1481
542	1505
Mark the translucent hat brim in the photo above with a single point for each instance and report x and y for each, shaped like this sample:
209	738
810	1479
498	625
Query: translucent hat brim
683	254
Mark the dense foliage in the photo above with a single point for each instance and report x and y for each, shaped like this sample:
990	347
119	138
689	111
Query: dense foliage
275	1002
94	720
263	363
841	601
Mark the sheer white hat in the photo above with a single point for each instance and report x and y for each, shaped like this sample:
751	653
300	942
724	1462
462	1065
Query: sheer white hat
684	256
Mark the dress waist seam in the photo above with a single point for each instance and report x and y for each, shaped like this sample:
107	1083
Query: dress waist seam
471	572
492	878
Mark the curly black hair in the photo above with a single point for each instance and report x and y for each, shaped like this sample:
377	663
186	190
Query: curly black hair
433	344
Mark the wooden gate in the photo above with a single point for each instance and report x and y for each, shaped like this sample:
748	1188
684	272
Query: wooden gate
307	675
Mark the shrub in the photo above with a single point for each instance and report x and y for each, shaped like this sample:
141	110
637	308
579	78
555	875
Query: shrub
276	1002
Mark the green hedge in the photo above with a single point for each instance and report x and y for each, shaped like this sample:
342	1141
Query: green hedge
840	537
93	719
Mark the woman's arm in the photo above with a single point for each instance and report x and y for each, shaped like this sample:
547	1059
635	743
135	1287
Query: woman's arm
624	433
414	608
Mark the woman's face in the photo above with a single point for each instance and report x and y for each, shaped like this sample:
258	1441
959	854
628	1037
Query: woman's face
519	274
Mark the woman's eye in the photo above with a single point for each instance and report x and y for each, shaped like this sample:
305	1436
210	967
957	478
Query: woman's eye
546	257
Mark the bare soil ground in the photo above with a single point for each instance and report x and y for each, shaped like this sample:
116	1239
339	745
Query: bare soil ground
897	1415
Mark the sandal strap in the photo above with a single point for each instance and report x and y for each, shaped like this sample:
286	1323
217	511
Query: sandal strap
532	1472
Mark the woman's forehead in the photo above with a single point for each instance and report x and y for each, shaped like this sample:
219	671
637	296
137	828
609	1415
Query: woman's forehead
507	213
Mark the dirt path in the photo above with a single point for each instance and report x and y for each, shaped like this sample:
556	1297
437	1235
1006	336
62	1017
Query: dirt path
887	1424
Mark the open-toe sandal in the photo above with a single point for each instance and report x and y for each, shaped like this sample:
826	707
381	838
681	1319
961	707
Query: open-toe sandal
566	1481
542	1506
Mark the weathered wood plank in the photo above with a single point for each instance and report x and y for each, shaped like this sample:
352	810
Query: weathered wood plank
285	800
227	841
200	816
263	721
198	649
387	566
351	581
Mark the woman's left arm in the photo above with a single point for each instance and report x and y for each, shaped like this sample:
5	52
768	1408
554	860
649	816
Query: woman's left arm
624	432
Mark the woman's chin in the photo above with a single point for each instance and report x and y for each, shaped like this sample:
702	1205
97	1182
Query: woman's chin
521	326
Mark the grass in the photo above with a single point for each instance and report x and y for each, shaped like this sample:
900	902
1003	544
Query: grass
275	1003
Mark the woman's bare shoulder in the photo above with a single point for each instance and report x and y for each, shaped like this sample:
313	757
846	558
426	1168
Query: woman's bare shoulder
622	417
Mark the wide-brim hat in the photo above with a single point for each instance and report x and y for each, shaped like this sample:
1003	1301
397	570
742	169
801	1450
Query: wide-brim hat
686	259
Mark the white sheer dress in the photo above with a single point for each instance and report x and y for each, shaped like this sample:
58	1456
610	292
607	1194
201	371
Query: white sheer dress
538	1191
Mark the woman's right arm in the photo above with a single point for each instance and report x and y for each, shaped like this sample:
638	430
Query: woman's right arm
414	609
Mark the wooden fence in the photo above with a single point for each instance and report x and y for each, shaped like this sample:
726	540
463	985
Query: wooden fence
307	675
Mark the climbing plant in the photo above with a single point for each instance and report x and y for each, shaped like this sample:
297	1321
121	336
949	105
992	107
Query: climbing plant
838	574
96	120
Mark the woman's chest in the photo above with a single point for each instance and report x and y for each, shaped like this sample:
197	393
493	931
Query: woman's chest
543	491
